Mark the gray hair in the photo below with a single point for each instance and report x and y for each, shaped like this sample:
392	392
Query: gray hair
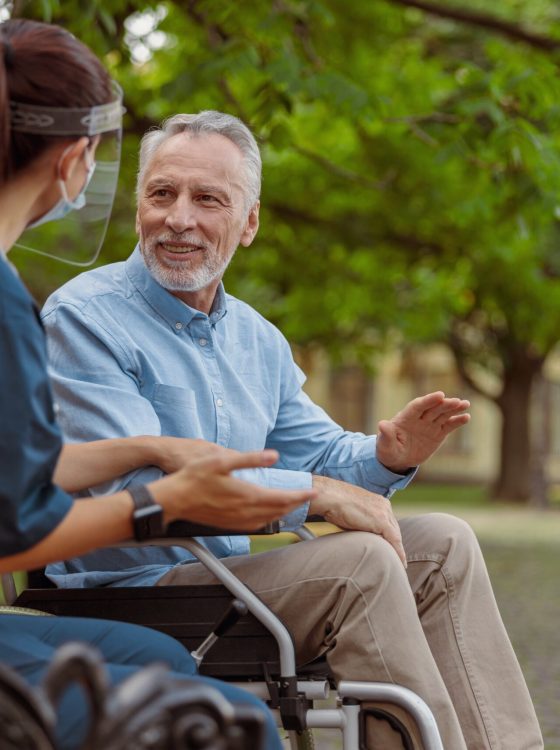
208	121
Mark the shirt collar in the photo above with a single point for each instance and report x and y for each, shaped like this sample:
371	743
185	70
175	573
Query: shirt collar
176	313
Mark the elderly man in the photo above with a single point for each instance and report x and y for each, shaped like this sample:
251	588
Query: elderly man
154	345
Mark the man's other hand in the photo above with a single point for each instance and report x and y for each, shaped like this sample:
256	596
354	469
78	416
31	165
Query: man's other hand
356	509
416	432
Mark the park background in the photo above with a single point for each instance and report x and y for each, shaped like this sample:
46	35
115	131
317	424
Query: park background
410	229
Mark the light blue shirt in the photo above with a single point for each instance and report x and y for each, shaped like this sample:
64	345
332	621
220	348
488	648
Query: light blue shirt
128	358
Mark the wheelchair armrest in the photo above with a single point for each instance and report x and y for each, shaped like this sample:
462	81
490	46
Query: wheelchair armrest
187	528
175	530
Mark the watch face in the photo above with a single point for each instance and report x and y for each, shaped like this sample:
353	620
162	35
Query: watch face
148	522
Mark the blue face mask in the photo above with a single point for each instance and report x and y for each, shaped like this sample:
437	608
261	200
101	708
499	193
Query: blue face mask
65	205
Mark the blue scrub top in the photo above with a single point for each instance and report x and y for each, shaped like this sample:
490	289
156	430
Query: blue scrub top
31	506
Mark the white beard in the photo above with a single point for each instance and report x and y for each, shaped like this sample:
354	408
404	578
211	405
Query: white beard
178	276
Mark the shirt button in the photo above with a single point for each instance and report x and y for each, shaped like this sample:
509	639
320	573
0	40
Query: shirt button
202	342
219	402
178	326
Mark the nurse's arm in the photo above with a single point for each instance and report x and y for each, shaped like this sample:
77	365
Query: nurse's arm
84	465
205	493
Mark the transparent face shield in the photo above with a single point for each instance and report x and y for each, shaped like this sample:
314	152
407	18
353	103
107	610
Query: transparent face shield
77	238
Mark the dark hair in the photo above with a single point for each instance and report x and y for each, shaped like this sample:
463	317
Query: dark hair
45	65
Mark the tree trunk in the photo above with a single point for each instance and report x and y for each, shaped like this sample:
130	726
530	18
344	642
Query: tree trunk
540	447
351	398
517	475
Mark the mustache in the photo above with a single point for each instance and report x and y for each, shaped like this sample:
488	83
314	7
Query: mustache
184	238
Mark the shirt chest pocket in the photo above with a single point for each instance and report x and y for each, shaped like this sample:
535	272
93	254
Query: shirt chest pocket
177	411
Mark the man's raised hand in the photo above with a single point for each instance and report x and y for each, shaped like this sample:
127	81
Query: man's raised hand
418	430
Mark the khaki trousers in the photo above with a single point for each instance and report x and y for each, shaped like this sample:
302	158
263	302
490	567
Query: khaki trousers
434	628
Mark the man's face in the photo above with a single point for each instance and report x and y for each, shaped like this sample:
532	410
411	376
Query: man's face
192	213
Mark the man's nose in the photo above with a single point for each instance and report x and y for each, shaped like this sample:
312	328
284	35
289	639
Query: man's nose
181	216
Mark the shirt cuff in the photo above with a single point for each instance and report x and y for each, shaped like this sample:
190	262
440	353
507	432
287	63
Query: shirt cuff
382	480
282	479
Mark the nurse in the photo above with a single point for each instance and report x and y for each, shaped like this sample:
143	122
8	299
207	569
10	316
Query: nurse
60	126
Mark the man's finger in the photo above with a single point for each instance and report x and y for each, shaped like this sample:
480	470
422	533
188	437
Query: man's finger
451	413
454	422
394	539
447	407
422	404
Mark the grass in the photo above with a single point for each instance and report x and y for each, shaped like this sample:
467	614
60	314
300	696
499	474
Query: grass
499	522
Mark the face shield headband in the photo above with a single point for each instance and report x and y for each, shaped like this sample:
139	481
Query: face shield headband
77	238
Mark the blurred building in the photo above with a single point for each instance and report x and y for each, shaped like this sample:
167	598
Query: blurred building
358	400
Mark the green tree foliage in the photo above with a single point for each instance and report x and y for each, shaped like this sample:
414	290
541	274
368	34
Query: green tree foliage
412	178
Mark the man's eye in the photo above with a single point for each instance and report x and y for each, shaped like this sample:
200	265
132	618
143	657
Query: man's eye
159	193
207	198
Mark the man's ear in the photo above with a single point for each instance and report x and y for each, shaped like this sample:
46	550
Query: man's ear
70	157
251	226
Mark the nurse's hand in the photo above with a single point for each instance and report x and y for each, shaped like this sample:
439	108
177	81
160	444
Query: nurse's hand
206	493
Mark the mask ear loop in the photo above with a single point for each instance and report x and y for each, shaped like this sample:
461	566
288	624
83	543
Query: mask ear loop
90	166
61	182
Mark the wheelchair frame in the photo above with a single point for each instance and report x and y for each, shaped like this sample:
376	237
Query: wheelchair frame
290	697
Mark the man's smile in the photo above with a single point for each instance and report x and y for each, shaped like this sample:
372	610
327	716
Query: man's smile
180	249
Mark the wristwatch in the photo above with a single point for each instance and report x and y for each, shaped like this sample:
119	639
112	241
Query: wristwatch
148	515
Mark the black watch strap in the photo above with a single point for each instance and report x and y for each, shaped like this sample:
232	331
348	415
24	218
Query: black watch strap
148	515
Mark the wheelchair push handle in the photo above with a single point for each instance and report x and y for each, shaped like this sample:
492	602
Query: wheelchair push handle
236	609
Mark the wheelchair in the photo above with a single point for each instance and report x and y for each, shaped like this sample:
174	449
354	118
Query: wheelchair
250	646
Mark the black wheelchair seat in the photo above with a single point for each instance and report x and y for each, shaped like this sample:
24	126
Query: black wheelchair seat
187	613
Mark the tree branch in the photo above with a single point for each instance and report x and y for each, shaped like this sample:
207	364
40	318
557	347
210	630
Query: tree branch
484	20
460	361
346	174
301	31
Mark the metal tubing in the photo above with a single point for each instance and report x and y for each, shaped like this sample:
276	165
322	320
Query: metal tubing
326	718
237	588
199	654
351	727
304	533
400	696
